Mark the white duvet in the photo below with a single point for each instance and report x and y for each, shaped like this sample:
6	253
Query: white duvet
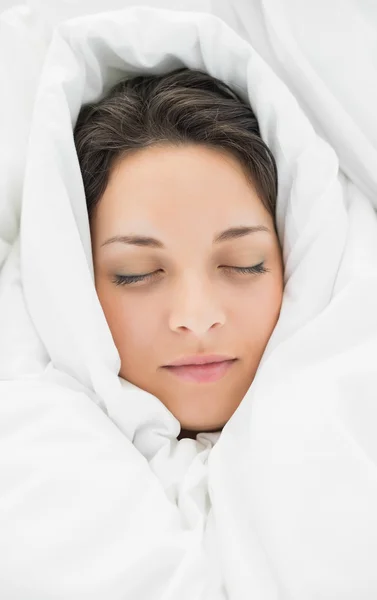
98	499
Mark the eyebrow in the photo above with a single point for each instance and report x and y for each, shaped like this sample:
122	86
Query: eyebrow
228	234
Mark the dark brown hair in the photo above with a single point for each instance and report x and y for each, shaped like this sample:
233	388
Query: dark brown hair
182	107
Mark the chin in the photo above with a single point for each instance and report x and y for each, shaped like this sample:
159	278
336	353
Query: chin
201	427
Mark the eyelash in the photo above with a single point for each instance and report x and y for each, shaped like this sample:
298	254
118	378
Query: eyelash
128	279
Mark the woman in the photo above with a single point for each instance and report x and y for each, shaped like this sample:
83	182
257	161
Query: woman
181	193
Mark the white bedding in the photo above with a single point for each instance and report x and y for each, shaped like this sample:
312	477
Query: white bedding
98	499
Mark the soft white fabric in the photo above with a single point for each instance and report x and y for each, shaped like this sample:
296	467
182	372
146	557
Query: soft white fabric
326	53
22	50
23	44
98	499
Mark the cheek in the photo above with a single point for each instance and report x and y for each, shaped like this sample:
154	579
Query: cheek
271	300
132	327
257	314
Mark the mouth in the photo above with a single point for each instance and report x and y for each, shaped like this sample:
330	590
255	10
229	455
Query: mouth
206	373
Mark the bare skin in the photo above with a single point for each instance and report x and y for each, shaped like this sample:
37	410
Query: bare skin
195	301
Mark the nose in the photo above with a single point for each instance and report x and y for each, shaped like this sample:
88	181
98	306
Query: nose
196	308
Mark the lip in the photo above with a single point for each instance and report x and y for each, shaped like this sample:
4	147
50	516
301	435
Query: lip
204	373
197	359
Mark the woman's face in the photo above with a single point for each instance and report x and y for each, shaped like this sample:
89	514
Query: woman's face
195	301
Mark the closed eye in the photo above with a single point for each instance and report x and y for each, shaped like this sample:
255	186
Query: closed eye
129	279
255	269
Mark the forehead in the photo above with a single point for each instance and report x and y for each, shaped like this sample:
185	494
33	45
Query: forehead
179	186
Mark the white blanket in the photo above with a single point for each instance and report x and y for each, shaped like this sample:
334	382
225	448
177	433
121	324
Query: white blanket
98	499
